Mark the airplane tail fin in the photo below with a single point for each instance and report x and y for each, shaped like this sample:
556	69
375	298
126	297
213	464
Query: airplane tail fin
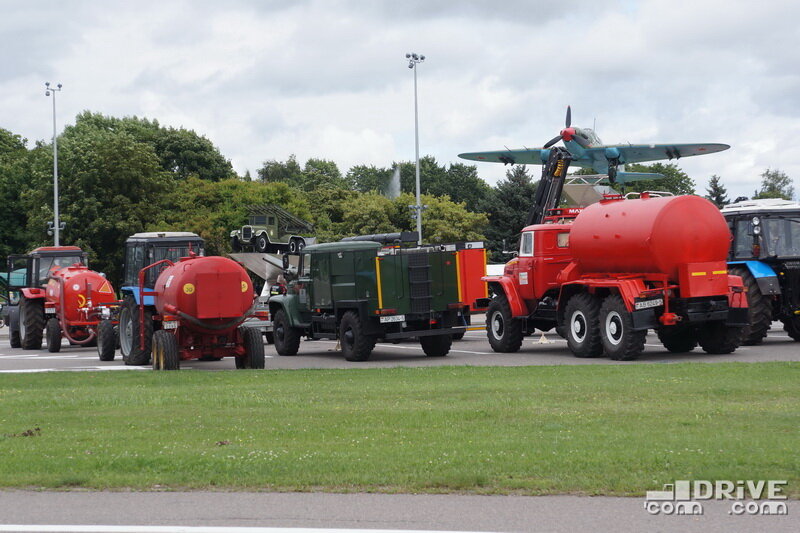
628	177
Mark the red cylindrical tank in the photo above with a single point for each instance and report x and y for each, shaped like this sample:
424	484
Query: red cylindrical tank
649	235
82	289
211	291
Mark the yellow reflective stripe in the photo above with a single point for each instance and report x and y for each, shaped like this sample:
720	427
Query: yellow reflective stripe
720	272
378	280
458	276
698	273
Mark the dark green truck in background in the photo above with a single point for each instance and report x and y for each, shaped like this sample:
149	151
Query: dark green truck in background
360	292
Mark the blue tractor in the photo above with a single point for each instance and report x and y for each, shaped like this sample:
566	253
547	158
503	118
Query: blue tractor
766	254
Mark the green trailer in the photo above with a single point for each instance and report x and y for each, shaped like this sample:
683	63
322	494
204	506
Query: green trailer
360	292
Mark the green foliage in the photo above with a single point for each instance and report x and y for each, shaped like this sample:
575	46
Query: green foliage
370	178
507	207
675	180
288	172
775	184
14	172
716	192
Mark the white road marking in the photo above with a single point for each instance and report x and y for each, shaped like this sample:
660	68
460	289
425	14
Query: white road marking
193	529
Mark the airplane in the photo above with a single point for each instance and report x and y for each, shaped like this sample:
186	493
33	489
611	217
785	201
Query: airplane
588	151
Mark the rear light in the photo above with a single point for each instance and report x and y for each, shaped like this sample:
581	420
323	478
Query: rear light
169	318
756	250
385	312
433	322
457	305
264	314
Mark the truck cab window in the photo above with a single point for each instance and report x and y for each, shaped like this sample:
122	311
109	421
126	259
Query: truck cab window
526	244
306	266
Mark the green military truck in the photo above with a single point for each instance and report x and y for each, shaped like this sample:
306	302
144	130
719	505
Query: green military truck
271	229
360	292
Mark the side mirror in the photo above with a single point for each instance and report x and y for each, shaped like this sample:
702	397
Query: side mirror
285	261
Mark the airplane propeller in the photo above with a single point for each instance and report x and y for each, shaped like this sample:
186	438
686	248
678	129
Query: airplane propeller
567	134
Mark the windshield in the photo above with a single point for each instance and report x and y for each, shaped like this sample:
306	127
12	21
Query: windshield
46	264
173	253
780	237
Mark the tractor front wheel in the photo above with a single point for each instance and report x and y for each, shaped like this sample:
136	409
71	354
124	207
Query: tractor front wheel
582	316
356	346
129	337
253	349
620	341
106	340
165	351
287	338
792	327
53	335
31	323
504	331
437	345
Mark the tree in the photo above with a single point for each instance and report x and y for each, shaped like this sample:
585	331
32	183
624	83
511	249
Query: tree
775	184
322	173
14	179
717	192
288	172
675	180
370	178
507	207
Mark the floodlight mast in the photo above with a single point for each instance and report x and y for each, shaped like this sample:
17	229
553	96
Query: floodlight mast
413	61
56	225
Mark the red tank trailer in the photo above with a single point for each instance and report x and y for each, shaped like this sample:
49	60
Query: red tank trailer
620	268
200	303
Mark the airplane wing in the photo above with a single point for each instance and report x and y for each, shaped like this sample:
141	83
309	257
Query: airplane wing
523	156
639	153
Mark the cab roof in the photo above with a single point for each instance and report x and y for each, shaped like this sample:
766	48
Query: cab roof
164	236
762	205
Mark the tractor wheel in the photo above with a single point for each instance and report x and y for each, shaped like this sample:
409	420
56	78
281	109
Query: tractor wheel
31	323
620	341
437	345
106	340
269	337
582	316
262	243
13	335
53	335
287	338
165	351
129	333
356	346
504	331
718	338
677	339
253	349
759	312
792	327
236	246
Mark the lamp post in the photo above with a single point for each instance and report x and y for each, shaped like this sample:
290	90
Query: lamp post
56	225
413	61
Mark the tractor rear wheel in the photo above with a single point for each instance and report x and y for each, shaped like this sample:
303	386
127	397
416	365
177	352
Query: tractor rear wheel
106	340
582	325
678	338
287	338
31	322
356	346
53	335
13	335
620	341
718	338
129	328
792	327
504	331
165	351
253	349
759	311
437	345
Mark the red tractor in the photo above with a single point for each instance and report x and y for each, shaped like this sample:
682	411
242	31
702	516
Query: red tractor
59	296
198	306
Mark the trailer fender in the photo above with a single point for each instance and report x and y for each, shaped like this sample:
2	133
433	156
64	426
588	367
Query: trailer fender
505	285
737	297
764	275
33	293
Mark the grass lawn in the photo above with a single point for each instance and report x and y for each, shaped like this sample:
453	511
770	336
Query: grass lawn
594	429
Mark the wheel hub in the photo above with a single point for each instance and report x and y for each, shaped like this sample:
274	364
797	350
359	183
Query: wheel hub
497	325
579	326
614	329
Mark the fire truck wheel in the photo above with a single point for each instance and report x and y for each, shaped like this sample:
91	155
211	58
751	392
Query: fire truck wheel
504	332
53	335
287	338
436	346
792	327
759	310
106	340
253	349
620	342
165	351
261	243
236	246
718	338
677	339
458	336
132	354
356	346
31	323
582	316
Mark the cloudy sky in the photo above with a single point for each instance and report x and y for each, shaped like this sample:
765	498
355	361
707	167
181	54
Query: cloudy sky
266	79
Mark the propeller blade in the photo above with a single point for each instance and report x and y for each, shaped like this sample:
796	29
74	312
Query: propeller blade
580	140
552	141
569	116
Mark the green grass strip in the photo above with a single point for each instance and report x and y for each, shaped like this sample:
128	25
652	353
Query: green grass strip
593	429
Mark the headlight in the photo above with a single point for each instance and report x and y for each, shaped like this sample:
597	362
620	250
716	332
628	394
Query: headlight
756	221
756	230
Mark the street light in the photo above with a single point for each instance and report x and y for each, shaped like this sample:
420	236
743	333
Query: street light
55	226
413	61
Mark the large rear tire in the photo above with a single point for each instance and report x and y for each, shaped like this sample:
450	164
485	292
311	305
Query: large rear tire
287	338
719	338
253	356
106	340
678	338
165	351
14	336
504	331
53	335
582	321
620	341
31	322
356	346
129	329
759	311
437	345
792	327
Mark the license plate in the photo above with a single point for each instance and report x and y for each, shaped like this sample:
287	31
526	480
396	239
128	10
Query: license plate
50	310
648	304
172	324
395	318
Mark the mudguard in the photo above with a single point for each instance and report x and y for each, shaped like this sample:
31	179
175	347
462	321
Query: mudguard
33	293
764	275
509	288
290	304
134	291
